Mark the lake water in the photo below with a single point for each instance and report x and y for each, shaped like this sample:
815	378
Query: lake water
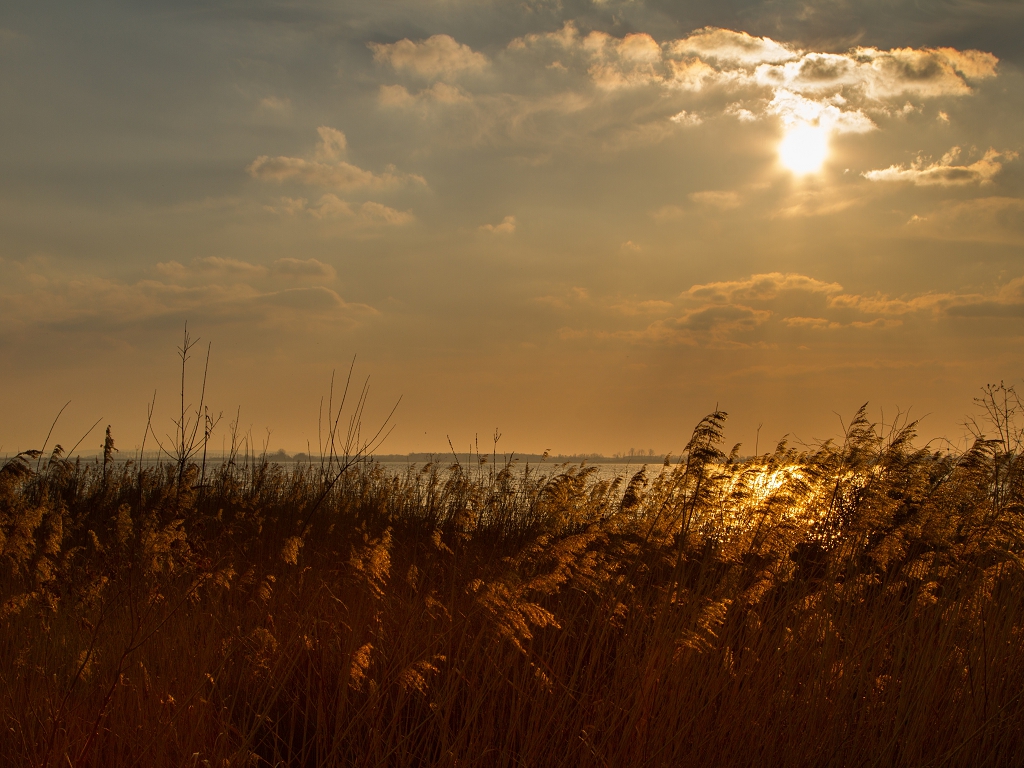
603	470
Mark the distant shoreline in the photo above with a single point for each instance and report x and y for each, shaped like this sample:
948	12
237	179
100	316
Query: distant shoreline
532	458
283	457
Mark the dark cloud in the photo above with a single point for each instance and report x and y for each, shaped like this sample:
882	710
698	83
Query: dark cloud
991	25
731	316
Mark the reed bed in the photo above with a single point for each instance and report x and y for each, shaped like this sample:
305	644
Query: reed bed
856	603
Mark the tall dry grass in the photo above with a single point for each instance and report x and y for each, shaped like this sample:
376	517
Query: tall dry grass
858	603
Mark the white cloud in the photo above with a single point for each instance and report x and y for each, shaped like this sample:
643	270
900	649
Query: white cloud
721	56
289	205
330	207
439	56
634	60
686	118
795	109
881	75
833	90
332	145
172	269
614	63
945	172
441	94
338	175
741	113
326	168
622	92
735	48
377	213
506	227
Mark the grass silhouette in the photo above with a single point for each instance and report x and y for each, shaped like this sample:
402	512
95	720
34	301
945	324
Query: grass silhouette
856	603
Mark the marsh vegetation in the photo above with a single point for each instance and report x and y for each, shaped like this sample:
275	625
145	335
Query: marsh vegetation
854	603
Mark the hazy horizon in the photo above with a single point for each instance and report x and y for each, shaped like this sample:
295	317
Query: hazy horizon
584	223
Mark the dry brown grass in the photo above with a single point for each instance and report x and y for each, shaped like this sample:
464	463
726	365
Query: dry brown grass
855	604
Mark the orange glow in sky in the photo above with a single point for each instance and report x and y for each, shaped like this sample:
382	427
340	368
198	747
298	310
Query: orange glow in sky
584	223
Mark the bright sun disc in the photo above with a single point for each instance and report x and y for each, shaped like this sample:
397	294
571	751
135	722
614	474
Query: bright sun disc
804	148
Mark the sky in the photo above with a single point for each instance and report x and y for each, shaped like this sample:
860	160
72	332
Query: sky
583	223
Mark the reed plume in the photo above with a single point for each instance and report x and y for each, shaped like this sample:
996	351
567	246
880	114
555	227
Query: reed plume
858	601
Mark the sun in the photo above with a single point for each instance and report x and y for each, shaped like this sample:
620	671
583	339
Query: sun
804	148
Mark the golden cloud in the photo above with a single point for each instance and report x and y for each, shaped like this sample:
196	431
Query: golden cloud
831	89
437	56
326	168
506	227
759	288
732	48
332	208
945	172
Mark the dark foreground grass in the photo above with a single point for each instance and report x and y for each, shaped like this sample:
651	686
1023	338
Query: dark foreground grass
856	604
